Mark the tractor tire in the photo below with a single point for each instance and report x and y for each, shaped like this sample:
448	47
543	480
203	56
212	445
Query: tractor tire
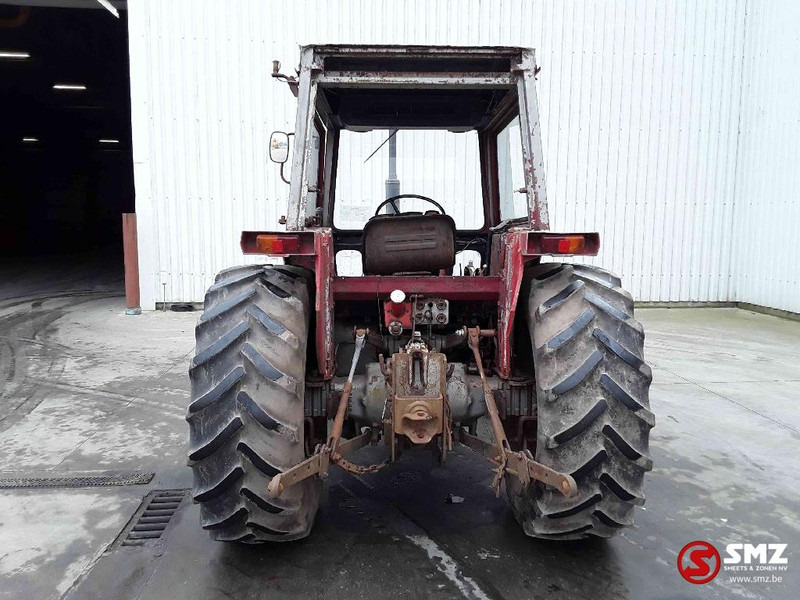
246	417
593	411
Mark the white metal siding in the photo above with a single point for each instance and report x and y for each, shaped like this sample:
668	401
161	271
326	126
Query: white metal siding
640	106
768	185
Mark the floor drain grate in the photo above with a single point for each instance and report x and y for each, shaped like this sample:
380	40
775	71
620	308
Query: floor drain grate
154	515
77	481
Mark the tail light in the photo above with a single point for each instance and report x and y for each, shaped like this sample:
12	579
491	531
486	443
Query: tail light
278	243
563	244
539	243
268	243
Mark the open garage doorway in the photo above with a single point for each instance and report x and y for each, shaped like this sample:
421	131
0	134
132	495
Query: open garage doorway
66	172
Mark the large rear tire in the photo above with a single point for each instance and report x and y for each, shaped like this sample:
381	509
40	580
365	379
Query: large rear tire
246	412
593	412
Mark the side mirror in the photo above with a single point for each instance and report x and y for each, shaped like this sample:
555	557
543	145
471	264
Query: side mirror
279	147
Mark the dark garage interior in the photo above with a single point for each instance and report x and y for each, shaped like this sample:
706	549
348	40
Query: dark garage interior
66	171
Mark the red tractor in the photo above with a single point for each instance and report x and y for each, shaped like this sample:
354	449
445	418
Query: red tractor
298	364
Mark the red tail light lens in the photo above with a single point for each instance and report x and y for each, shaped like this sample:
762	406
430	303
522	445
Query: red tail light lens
277	244
563	244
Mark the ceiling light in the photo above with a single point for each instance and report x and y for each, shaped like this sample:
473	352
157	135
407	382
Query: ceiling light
109	7
108	141
14	55
69	86
30	139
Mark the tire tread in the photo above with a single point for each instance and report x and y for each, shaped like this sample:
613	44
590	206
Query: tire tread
246	410
592	403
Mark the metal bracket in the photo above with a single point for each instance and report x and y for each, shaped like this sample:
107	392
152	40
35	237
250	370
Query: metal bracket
291	81
519	464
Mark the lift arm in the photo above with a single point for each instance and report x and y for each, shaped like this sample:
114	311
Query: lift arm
335	450
520	464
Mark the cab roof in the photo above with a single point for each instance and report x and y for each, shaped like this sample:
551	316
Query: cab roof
456	88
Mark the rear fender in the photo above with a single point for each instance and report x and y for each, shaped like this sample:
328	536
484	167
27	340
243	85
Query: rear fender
313	250
511	251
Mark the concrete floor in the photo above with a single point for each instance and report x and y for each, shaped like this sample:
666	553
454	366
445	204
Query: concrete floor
86	389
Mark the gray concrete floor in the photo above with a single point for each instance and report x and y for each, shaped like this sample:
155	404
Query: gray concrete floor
86	389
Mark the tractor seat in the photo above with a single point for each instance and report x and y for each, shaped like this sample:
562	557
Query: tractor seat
410	242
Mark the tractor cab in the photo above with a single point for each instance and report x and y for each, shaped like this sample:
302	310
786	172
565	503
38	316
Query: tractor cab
449	121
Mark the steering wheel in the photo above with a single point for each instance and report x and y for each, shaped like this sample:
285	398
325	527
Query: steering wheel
417	196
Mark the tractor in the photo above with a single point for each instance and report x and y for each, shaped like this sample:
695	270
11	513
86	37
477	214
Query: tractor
370	326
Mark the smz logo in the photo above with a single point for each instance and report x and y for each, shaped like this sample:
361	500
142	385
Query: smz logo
699	562
762	554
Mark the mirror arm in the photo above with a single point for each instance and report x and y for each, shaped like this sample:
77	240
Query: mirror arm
283	177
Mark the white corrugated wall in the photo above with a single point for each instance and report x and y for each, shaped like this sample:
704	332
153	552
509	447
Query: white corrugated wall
768	184
641	106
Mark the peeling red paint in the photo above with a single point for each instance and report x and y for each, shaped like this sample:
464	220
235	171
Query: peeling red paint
512	271
323	272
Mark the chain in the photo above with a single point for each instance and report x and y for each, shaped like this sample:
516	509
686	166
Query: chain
359	469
